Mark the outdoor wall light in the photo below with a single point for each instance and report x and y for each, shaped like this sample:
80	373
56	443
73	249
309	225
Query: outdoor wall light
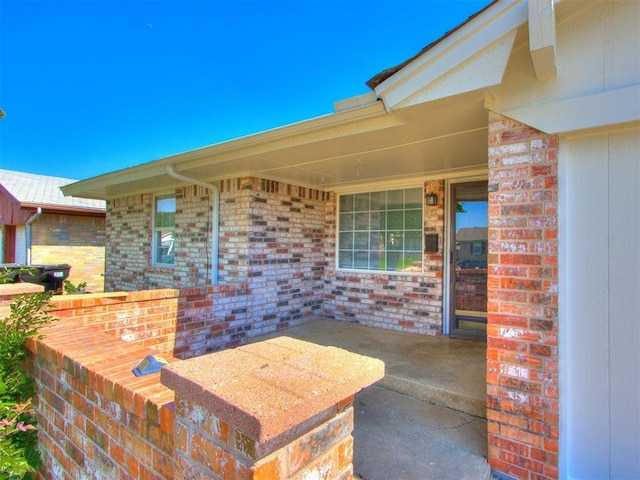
432	199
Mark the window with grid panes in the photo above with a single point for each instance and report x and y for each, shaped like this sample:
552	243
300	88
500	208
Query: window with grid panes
381	231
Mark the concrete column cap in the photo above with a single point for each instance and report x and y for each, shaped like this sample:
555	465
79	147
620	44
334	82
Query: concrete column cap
265	389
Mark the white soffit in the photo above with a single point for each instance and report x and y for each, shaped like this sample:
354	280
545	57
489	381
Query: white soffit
473	57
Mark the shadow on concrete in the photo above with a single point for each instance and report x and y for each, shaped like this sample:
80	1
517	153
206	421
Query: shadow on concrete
426	418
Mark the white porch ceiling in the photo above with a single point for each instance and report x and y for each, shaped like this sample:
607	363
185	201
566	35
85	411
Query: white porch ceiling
337	152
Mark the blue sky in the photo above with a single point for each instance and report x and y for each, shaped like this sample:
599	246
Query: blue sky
93	86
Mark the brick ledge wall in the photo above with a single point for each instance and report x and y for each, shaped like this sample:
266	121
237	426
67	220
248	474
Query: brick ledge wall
98	420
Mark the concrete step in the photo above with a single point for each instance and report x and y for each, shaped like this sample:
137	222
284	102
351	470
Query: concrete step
440	396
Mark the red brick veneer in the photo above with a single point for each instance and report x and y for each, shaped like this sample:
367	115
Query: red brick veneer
522	337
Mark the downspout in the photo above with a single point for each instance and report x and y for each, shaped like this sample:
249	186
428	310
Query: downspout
27	232
214	218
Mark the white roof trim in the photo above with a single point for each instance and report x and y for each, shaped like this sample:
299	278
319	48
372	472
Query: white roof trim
490	29
588	111
542	38
367	118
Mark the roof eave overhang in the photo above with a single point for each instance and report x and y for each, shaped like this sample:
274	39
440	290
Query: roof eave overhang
63	209
358	120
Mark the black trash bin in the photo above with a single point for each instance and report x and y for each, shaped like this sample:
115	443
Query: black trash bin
52	277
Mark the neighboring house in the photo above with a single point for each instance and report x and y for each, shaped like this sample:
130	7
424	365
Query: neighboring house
531	106
471	248
40	226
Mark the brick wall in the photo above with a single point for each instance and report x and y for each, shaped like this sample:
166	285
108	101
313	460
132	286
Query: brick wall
128	251
272	238
176	323
522	332
75	240
408	302
279	240
97	420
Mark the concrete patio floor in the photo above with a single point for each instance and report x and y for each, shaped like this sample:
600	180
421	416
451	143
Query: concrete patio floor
426	418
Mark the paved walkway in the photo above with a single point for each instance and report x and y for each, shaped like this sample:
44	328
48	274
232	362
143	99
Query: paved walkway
425	419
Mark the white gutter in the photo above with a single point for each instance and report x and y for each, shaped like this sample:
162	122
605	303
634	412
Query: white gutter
214	218
31	219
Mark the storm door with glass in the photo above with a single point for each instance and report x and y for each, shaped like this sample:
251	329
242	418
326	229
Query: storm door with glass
468	261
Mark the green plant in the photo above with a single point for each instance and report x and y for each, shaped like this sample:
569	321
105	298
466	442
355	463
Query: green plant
70	288
19	456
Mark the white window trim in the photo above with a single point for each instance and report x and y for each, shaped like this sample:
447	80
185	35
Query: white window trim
154	251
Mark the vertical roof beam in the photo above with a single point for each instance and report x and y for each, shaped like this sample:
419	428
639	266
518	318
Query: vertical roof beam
542	38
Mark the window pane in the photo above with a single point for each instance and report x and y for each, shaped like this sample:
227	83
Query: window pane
361	202
361	241
413	241
362	221
378	200
165	212
376	261
346	203
361	259
376	220
164	225
413	198
412	262
413	219
345	259
165	219
346	221
395	200
346	240
395	220
394	241
164	247
394	260
166	204
377	241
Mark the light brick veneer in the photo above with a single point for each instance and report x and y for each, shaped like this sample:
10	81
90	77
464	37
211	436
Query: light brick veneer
522	333
272	238
410	302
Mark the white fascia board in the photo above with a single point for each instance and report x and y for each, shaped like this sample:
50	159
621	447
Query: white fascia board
542	38
459	47
480	71
579	113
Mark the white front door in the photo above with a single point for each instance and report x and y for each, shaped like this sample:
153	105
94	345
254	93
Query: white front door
21	244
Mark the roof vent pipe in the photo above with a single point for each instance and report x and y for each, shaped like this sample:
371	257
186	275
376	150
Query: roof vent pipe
214	218
27	232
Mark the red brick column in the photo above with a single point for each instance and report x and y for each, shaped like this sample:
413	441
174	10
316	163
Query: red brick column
522	332
278	409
